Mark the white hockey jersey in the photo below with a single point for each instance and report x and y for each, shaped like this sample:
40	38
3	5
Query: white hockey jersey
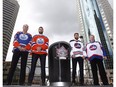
77	48
94	50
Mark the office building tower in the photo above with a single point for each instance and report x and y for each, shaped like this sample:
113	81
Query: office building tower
107	16
10	11
94	22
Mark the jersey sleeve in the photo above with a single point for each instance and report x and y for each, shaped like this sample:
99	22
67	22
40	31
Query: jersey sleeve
85	49
71	53
45	46
33	43
15	42
102	48
28	46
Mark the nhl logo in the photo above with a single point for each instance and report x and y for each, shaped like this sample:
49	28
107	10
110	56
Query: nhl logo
61	52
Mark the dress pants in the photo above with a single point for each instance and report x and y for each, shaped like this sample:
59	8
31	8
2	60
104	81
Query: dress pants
15	58
33	66
74	65
95	65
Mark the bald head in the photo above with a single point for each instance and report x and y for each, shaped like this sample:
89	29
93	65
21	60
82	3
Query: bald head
25	28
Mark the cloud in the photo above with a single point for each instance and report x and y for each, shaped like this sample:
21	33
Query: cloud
59	16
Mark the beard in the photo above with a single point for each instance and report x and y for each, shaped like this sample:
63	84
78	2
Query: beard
76	38
40	32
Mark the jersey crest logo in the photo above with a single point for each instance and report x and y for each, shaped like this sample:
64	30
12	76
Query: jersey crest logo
77	45
40	41
23	37
93	47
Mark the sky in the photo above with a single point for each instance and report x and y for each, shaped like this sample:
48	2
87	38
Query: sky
111	3
58	18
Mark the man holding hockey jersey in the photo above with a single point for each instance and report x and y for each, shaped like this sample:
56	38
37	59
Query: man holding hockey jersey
77	54
21	49
96	54
39	47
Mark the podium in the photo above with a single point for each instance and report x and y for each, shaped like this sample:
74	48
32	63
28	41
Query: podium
59	64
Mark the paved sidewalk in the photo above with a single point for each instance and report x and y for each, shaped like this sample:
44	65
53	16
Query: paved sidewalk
52	86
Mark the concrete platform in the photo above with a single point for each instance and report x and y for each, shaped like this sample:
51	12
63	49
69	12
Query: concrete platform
52	86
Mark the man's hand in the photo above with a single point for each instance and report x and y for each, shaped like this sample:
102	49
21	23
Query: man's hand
23	49
38	49
105	57
83	57
72	56
19	47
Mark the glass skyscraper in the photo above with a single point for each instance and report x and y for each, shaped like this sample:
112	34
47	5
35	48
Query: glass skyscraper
10	11
92	21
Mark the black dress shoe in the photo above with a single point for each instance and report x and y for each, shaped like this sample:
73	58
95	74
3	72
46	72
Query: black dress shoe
96	84
8	84
43	84
73	84
105	84
29	84
21	84
81	84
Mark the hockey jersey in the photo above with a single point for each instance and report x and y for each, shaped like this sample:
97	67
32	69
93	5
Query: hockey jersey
23	40
77	48
40	41
95	50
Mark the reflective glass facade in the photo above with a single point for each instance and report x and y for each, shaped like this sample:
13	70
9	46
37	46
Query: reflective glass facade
93	24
